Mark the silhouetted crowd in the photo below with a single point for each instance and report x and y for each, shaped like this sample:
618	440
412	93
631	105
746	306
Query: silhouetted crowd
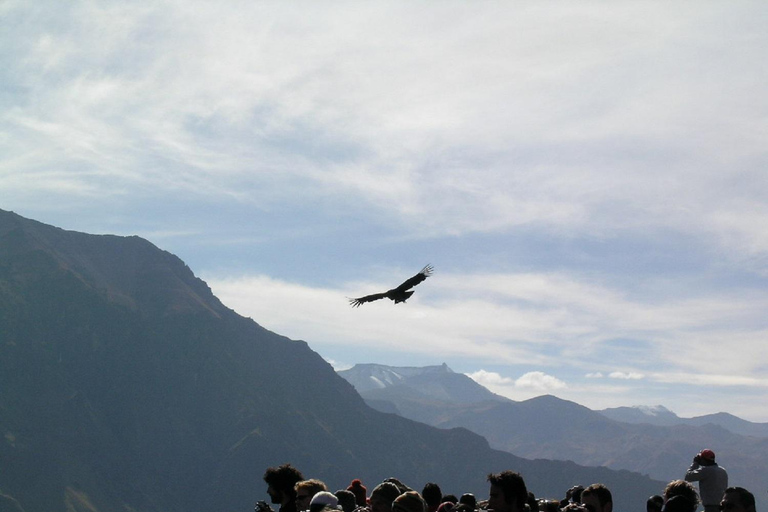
288	489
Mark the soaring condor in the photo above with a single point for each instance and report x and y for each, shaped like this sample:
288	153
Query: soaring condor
399	294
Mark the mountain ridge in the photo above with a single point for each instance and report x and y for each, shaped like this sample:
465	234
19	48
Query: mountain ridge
128	386
550	428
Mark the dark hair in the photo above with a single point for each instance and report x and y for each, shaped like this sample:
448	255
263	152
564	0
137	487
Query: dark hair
746	498
400	485
655	502
574	493
513	485
601	491
283	478
681	488
468	499
432	494
346	500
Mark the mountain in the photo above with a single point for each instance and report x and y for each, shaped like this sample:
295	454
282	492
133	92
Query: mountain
126	385
659	415
547	427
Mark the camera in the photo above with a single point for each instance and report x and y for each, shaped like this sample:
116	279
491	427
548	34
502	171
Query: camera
262	506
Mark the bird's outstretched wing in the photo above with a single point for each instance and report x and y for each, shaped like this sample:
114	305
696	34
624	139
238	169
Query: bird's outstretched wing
413	281
368	298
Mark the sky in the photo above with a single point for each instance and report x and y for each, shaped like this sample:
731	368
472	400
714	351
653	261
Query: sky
589	179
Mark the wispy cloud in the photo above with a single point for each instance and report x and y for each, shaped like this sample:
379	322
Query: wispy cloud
557	323
592	178
481	122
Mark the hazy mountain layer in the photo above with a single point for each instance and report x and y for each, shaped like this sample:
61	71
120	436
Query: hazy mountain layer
653	441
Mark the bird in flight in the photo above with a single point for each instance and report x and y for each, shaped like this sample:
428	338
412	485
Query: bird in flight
399	294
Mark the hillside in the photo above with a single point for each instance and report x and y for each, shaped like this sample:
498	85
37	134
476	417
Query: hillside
127	386
547	427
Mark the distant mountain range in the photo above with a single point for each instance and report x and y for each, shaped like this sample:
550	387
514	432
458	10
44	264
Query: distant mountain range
126	385
650	440
661	416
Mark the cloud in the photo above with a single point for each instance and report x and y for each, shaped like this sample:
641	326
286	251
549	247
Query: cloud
626	375
527	385
540	381
593	178
542	319
489	379
573	127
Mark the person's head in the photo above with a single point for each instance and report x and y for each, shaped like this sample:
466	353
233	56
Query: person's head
306	490
400	485
432	495
508	492
409	501
737	499
382	497
678	503
706	457
324	500
280	481
358	489
654	503
469	500
597	498
681	488
346	500
574	493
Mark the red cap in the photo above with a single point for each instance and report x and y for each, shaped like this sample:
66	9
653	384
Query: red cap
707	454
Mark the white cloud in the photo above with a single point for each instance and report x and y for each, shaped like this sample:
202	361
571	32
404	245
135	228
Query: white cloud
626	375
542	319
490	379
540	382
457	119
526	386
587	130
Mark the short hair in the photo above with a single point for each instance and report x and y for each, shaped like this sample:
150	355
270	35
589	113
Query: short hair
450	498
601	491
681	488
746	498
313	486
385	492
346	500
468	499
655	502
400	485
432	494
283	478
574	493
513	486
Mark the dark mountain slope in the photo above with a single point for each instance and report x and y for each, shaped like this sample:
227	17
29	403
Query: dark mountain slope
125	385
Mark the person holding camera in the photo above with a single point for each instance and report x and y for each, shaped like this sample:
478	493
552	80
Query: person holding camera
712	478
